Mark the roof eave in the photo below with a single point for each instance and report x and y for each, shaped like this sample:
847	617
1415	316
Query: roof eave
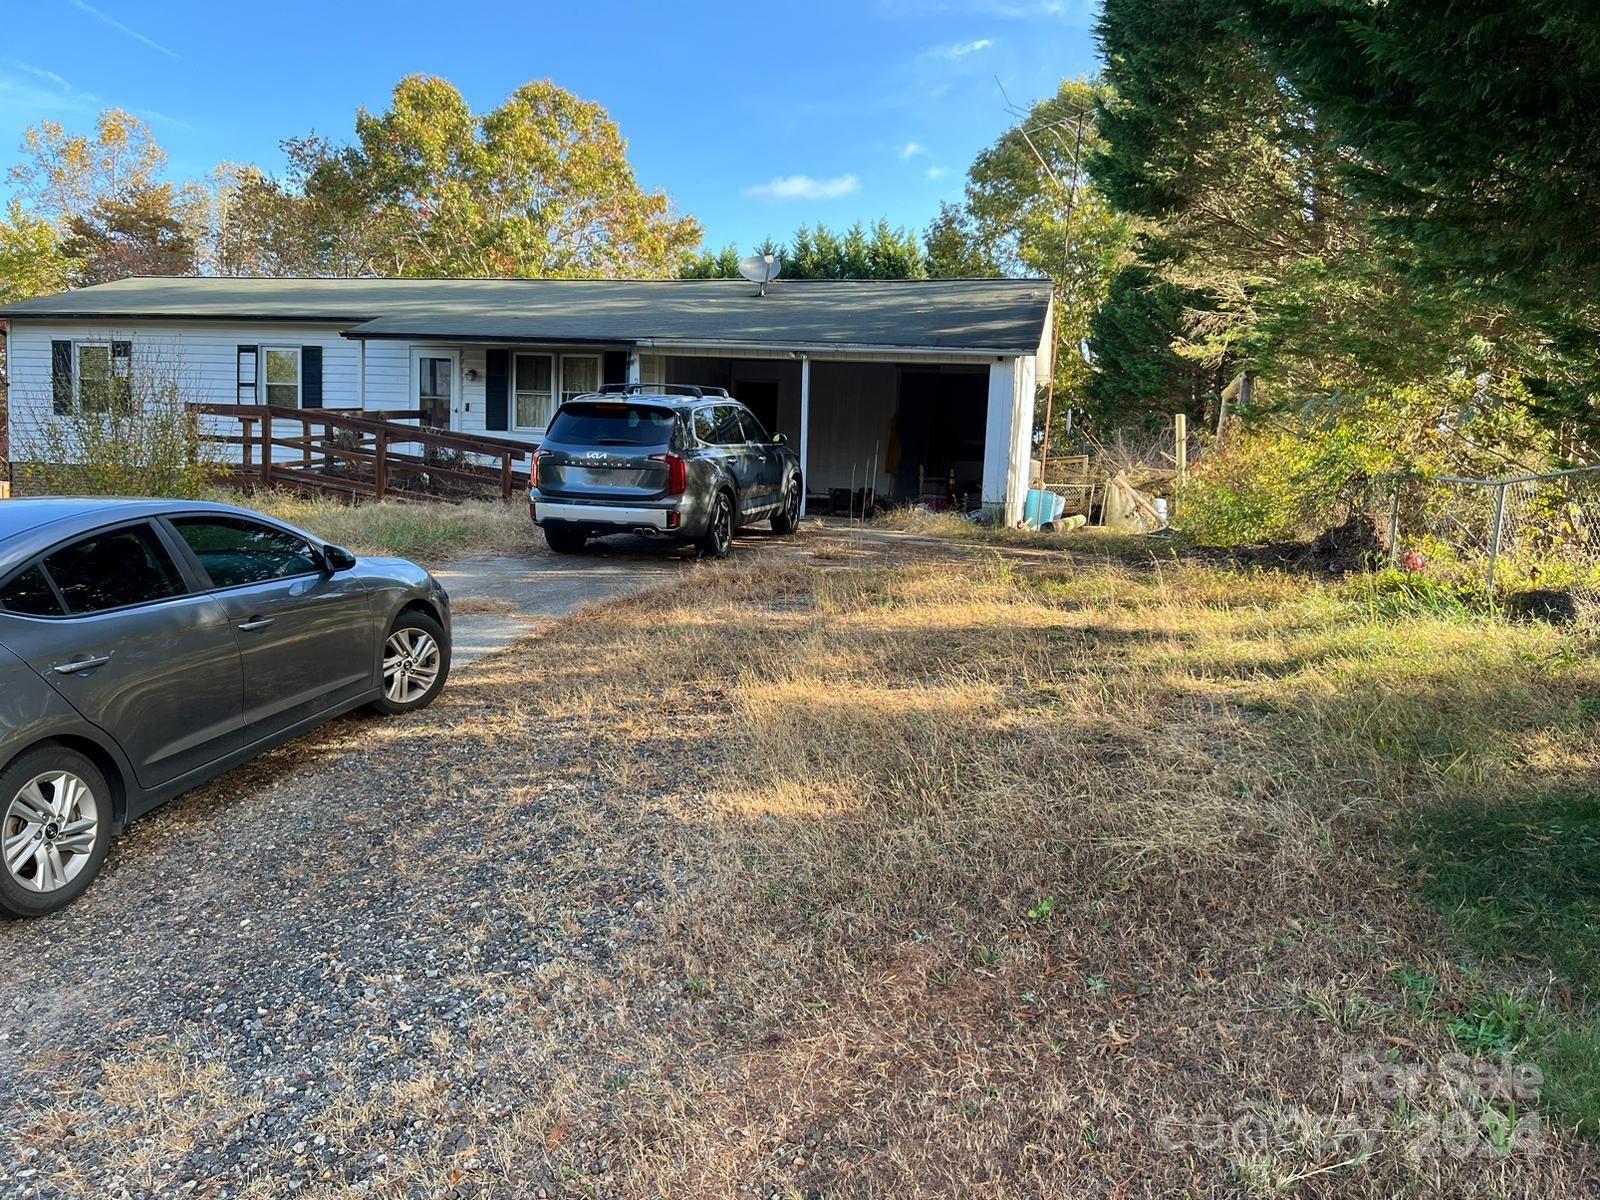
833	347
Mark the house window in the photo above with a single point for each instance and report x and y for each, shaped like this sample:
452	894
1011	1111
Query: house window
283	375
104	376
535	390
580	373
247	375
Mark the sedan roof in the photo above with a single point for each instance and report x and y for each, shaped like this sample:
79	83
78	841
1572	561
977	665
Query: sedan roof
28	526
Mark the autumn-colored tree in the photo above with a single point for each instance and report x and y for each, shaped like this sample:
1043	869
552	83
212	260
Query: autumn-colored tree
33	261
64	175
540	186
139	231
101	198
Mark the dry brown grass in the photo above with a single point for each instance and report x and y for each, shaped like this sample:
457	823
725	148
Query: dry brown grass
428	533
990	873
954	878
1091	541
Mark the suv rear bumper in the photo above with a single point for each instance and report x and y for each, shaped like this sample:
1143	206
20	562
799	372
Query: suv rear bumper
675	518
599	514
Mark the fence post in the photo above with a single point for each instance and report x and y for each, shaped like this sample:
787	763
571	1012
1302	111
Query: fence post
266	448
380	464
1499	524
508	486
1394	523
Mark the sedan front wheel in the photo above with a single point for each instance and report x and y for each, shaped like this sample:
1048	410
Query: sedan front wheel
55	828
416	663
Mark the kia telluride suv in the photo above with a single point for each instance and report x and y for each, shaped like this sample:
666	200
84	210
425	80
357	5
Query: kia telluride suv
663	460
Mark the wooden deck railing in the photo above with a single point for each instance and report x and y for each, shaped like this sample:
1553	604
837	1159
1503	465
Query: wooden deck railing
360	452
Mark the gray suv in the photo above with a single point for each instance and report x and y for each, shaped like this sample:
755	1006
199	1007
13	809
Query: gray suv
147	645
671	460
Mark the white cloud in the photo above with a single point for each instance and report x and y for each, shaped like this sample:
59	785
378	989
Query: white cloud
937	172
803	187
911	149
84	7
68	97
961	49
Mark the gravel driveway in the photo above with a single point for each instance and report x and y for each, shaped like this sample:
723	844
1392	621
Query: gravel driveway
341	970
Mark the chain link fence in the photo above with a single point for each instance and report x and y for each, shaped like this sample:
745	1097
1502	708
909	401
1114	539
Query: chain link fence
1521	533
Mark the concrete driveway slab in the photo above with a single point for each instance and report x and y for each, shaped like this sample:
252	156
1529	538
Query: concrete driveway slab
500	598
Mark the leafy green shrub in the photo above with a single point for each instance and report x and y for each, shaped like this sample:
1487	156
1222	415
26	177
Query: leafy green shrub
1276	484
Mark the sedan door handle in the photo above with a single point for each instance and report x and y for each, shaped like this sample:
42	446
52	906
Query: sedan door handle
81	664
255	623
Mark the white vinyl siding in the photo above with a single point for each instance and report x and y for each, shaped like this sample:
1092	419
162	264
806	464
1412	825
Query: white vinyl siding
205	356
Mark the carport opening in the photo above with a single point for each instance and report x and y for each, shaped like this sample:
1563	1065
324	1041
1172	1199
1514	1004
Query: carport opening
897	433
939	428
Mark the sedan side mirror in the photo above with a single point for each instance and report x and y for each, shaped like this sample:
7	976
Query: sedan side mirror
780	439
337	558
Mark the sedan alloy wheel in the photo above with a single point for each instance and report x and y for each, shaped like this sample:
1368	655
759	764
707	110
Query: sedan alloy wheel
411	664
49	831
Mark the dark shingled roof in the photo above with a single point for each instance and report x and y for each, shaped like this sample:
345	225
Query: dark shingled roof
975	315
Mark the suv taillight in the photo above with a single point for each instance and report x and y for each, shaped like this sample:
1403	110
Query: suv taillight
677	473
533	469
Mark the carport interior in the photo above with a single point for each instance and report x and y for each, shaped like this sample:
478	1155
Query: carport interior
906	430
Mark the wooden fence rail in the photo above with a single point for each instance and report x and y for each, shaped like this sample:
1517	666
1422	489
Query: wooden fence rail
359	453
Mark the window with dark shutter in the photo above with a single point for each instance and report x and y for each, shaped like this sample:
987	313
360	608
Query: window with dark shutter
311	376
247	375
496	370
61	377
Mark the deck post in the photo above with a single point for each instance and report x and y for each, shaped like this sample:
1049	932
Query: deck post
247	445
266	448
805	430
380	464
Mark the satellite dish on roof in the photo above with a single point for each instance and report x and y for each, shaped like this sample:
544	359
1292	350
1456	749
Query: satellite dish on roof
761	269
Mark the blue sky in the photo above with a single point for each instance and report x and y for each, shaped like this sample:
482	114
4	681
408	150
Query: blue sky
754	117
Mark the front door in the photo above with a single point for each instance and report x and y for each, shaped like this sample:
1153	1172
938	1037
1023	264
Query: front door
435	374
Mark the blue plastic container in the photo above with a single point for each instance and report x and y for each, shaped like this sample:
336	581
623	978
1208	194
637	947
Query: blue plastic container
1042	507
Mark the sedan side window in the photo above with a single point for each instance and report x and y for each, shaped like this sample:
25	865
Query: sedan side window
114	570
235	551
30	594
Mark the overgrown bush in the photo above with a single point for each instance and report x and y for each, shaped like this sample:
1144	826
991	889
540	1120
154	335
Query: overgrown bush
1285	476
140	439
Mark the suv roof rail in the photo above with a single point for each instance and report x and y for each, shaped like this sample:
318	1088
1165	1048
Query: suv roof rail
661	389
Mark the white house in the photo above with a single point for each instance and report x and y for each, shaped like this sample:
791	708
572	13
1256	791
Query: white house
903	385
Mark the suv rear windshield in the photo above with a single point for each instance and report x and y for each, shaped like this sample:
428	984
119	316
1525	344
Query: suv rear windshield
602	424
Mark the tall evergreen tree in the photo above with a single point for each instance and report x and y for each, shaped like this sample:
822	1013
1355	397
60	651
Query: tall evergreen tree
1138	375
817	252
